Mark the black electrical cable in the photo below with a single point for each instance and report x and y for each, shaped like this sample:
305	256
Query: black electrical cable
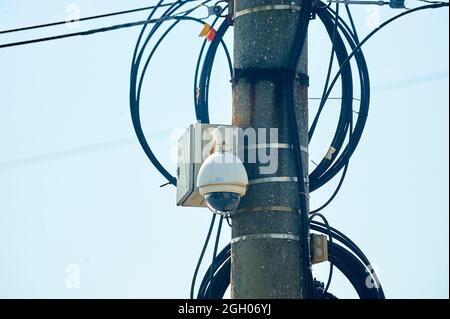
330	69
88	32
381	26
353	34
316	180
141	34
354	271
154	49
134	97
134	101
352	23
300	39
319	292
221	278
344	126
201	99
197	70
352	263
202	254
328	168
344	172
105	15
355	250
434	2
136	115
227	218
340	183
347	242
337	140
323	100
213	263
205	74
327	172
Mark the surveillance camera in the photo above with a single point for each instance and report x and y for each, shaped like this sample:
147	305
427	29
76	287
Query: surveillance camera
222	181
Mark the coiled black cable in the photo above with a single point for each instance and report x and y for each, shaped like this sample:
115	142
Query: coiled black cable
136	86
327	172
202	254
327	169
134	98
205	73
348	258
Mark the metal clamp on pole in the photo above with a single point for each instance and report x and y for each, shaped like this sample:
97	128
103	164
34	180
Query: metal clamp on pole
291	7
274	179
258	209
265	236
268	146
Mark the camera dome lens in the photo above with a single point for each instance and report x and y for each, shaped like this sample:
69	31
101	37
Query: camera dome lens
222	201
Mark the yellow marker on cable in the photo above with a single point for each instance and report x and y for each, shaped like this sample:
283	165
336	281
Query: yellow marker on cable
205	30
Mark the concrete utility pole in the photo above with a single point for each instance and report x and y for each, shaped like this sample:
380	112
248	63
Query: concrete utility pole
267	254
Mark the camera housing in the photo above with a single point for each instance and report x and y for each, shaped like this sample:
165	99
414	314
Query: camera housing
222	181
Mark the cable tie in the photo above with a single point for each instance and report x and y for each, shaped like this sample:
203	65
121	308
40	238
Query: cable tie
273	179
265	236
264	209
303	78
254	75
330	152
165	184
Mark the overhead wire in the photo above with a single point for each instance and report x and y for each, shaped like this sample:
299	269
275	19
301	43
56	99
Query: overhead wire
97	30
100	16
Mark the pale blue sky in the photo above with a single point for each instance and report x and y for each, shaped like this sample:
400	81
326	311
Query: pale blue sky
76	188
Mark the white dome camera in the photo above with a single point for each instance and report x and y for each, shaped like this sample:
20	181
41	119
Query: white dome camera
222	179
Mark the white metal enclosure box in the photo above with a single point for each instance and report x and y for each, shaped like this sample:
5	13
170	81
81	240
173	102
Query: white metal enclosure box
194	146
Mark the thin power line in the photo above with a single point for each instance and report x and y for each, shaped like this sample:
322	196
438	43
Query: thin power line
111	14
422	79
93	31
64	154
400	84
75	152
